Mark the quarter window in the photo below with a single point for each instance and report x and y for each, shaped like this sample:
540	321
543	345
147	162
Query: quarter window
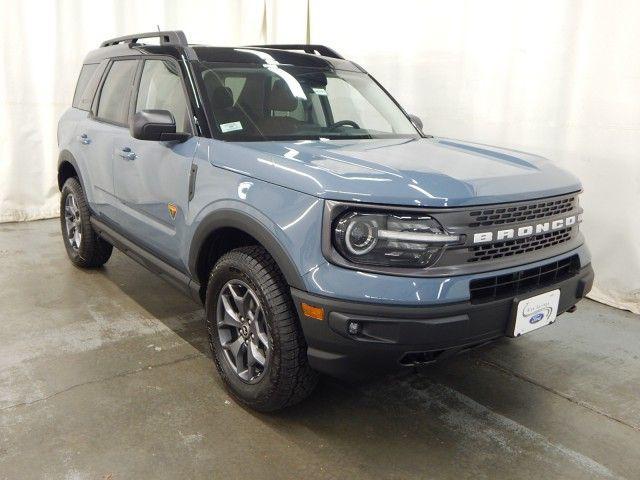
161	89
83	80
114	98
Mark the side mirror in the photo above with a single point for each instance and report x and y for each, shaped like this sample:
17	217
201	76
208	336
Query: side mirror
416	121
158	125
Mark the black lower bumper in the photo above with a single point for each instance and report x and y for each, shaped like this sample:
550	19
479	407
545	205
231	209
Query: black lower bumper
389	337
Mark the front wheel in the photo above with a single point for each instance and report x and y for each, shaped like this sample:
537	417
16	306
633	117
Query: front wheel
84	247
254	333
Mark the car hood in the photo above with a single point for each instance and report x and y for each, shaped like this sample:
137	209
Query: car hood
418	172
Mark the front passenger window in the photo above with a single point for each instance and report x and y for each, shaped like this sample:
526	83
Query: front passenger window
161	89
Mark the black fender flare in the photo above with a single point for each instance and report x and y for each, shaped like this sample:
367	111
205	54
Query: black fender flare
67	157
230	218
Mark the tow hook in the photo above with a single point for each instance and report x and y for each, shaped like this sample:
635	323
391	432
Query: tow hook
572	309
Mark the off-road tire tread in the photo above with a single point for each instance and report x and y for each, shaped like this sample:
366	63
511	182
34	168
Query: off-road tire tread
94	251
296	380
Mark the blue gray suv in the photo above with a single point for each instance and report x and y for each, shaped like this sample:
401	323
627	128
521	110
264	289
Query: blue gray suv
283	187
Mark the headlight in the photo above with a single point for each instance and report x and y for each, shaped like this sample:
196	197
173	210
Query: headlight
388	239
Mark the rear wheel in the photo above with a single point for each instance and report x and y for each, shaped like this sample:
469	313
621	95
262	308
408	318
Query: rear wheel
84	247
256	340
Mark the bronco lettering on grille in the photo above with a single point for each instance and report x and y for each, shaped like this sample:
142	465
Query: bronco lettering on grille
526	230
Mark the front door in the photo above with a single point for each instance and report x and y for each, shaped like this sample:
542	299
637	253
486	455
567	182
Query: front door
152	177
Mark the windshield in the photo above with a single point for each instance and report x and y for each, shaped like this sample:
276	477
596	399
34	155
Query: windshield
279	102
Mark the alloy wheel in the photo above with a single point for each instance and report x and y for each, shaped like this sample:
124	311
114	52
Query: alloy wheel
73	222
243	331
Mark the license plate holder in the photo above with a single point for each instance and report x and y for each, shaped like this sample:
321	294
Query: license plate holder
532	313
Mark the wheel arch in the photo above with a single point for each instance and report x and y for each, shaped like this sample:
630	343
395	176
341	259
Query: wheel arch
67	168
216	225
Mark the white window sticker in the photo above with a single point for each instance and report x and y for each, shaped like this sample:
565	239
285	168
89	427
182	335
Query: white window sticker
320	91
230	127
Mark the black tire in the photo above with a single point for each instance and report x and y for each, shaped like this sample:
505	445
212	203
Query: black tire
92	251
287	378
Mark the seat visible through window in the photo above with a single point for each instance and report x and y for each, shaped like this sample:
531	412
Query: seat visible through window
280	103
229	115
161	89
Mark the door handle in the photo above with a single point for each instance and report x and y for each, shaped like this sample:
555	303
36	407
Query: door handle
127	153
84	139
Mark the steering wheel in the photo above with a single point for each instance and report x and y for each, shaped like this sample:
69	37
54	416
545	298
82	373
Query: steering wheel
344	123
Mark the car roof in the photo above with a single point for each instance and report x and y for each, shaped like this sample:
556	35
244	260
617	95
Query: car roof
174	44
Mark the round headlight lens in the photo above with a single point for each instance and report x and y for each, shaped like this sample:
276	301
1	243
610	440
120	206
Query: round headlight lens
360	237
389	239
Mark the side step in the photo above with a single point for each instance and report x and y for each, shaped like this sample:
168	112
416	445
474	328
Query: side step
171	274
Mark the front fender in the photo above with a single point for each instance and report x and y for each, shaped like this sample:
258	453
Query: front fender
254	224
286	222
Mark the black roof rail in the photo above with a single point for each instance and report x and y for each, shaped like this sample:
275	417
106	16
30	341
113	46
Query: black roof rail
173	37
306	48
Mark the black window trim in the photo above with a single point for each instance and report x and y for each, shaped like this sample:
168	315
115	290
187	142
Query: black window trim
133	99
96	99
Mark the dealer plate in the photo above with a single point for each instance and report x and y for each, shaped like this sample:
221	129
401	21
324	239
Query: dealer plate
535	312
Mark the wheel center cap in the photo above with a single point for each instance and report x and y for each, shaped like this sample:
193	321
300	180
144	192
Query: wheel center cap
244	330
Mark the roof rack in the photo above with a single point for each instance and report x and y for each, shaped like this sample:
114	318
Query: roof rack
306	48
173	37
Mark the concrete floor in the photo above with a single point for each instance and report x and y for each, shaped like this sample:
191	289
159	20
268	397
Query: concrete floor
105	374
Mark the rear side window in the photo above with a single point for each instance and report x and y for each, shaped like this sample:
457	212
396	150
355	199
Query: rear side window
114	98
83	81
161	89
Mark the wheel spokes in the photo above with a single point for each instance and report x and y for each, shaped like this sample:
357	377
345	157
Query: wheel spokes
73	222
238	300
69	213
237	349
242	330
73	204
254	355
230	316
258	328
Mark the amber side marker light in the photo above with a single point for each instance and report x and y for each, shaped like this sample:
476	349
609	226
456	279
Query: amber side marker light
312	312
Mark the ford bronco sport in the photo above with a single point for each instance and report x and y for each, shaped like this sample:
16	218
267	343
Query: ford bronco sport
283	187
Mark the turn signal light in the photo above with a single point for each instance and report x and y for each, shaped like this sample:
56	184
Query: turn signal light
313	312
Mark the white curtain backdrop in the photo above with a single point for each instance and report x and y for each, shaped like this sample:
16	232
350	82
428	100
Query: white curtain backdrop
556	78
43	43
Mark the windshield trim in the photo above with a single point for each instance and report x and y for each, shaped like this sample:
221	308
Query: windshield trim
316	138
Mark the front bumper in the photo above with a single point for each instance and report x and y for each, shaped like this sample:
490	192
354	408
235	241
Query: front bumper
393	336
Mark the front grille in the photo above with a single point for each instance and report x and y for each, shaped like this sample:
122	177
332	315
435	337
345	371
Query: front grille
507	215
511	284
518	246
502	224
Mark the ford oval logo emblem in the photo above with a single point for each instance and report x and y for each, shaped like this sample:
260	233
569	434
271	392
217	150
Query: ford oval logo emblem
536	318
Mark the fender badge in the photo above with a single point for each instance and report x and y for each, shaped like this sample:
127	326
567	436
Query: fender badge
171	207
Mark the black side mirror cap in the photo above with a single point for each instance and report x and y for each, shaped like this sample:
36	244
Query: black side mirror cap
156	125
416	121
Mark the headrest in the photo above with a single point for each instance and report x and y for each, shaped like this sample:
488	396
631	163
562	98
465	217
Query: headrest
222	98
281	99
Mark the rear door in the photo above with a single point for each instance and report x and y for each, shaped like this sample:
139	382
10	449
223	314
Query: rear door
96	134
152	177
